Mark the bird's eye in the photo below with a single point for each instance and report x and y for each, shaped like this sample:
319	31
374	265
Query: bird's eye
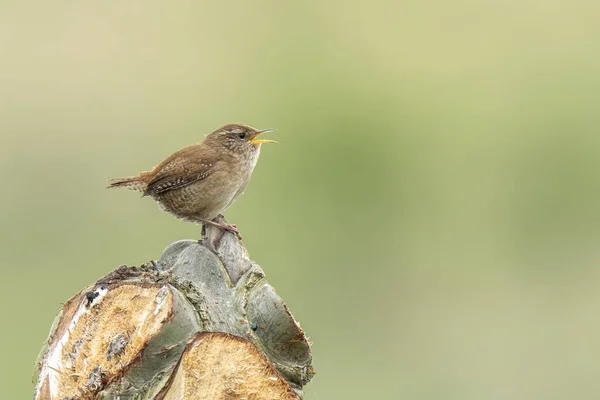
242	136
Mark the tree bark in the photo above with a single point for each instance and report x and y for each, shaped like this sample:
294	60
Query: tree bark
200	323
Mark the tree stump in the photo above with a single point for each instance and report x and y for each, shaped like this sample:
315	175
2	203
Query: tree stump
200	323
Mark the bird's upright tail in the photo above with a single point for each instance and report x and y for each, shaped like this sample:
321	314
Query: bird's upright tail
131	182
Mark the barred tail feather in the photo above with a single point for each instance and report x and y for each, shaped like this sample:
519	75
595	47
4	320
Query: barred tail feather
131	182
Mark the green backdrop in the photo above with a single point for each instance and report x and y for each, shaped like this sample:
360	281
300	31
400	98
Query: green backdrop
431	213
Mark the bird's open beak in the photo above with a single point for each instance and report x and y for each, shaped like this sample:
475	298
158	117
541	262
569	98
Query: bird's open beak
254	139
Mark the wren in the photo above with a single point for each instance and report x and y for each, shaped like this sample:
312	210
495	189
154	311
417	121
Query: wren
200	181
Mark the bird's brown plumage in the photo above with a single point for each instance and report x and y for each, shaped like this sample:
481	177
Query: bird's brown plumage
182	168
199	181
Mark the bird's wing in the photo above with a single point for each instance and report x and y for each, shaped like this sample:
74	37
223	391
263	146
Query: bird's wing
182	168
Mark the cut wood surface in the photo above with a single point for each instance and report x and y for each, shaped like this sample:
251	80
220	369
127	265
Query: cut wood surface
222	366
193	325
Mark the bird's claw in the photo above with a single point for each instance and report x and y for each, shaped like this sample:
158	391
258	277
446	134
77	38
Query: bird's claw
222	227
233	229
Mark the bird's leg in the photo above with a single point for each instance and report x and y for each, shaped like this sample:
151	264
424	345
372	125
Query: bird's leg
207	241
225	227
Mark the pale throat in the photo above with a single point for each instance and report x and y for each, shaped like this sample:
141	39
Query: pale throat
253	159
246	162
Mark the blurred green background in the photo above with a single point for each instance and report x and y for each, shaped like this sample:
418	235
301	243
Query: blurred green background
431	215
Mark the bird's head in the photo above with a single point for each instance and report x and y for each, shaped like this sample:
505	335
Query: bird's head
238	138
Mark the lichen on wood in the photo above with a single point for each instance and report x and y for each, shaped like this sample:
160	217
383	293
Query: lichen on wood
142	332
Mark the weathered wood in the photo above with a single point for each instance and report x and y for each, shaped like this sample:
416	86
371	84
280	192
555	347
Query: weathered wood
133	333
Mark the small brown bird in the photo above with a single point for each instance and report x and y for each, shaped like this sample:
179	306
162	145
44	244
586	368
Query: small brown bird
199	181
